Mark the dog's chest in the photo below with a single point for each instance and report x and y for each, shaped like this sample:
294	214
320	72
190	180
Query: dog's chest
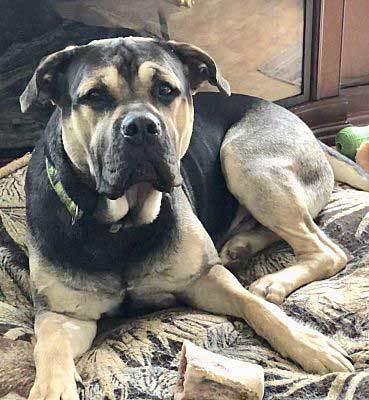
89	296
162	274
80	296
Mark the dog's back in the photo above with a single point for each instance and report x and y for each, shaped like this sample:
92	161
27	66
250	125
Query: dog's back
201	168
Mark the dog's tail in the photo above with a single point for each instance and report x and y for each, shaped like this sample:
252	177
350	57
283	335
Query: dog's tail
345	170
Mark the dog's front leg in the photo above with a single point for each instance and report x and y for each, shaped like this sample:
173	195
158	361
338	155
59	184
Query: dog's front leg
60	339
220	292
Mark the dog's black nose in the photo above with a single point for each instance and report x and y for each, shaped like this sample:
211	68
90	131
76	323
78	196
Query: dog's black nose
136	127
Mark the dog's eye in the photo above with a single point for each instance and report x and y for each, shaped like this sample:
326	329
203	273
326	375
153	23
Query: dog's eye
98	98
165	92
94	95
165	89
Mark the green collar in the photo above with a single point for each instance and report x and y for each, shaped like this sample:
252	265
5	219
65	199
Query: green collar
58	187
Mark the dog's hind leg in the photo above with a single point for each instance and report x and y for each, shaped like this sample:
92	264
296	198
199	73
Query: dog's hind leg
245	242
317	257
284	193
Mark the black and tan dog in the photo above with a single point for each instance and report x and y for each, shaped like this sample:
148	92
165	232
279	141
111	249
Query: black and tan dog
136	186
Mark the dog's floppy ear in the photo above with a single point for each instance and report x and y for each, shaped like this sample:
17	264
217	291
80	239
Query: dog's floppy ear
44	84
200	66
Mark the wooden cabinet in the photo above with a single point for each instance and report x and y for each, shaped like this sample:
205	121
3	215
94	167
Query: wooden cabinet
339	67
355	44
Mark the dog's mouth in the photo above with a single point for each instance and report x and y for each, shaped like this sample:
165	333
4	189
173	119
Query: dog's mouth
119	180
121	168
131	191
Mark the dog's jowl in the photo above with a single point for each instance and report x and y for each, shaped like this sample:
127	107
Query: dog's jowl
139	190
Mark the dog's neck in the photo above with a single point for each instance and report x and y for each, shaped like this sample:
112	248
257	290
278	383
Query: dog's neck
53	176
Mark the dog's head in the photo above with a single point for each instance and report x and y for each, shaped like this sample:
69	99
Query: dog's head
126	109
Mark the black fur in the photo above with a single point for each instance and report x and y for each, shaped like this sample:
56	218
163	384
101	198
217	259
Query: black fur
214	205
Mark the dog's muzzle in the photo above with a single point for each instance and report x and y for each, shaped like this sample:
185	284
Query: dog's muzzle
140	150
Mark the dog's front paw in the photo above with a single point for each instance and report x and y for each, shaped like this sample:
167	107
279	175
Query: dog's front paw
57	383
271	288
315	352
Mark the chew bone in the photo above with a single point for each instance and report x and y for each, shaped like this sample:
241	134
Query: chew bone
204	375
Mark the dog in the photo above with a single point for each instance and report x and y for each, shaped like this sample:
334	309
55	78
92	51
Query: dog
140	191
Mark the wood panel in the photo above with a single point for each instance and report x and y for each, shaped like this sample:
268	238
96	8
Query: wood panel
329	50
326	117
355	43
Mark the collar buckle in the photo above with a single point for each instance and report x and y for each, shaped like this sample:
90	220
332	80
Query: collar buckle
54	179
75	217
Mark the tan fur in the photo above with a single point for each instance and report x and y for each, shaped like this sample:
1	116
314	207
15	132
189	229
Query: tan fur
287	211
60	339
317	257
110	211
194	256
147	70
82	130
64	296
149	205
186	3
86	122
245	243
183	115
110	77
67	329
142	195
77	146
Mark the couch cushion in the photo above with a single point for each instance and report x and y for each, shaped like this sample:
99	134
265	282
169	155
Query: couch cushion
137	358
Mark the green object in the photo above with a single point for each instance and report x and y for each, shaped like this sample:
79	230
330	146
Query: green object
55	182
349	139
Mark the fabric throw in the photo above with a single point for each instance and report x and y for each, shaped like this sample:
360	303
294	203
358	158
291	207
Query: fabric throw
137	358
